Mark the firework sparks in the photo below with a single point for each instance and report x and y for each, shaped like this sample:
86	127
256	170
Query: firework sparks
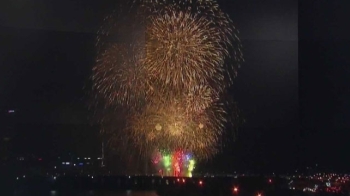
171	126
182	50
119	77
170	72
175	163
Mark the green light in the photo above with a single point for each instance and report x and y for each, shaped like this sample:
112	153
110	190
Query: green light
190	167
166	160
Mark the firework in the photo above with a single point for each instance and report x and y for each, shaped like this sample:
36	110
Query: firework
170	126
118	76
168	63
182	50
211	12
199	98
177	163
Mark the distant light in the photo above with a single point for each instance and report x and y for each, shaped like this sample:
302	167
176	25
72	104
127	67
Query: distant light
92	177
55	167
40	159
85	158
200	182
54	177
78	158
17	178
74	164
235	189
259	194
81	164
129	177
270	180
183	180
11	111
67	163
89	158
178	180
24	176
63	163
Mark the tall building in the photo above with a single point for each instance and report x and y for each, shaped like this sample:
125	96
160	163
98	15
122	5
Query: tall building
7	134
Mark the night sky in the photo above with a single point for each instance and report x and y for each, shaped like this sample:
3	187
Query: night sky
295	116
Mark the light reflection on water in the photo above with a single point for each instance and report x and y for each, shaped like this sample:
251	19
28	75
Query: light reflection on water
87	193
106	193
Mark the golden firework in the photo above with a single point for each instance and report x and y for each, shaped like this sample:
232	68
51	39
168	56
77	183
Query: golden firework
173	60
171	126
119	76
182	50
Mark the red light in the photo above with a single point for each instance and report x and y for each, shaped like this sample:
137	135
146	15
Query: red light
40	159
183	180
270	181
235	189
178	180
200	182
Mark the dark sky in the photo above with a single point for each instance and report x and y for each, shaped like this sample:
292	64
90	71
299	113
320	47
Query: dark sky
323	80
47	52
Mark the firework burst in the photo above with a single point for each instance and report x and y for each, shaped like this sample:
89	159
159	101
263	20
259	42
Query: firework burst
182	50
119	76
170	126
210	10
169	70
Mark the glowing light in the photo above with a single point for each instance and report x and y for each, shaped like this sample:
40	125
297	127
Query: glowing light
158	127
170	85
166	161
